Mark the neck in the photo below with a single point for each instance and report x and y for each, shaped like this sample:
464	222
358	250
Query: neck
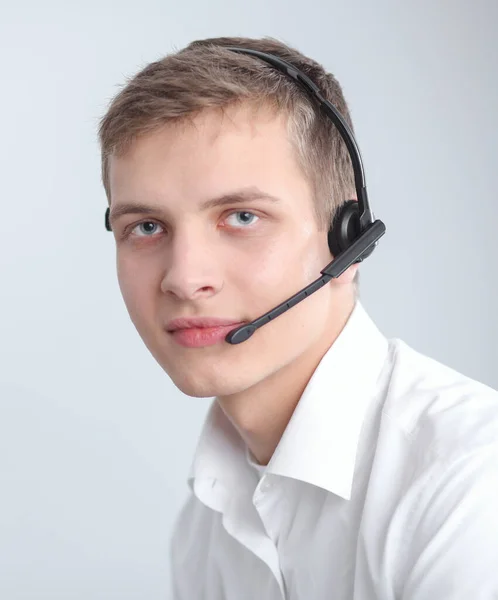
261	413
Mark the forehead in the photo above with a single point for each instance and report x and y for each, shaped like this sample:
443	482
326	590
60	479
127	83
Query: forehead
214	129
209	155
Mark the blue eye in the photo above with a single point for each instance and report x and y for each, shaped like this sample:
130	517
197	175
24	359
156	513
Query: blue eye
246	218
147	229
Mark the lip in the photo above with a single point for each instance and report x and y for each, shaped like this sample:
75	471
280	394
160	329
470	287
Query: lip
202	331
199	323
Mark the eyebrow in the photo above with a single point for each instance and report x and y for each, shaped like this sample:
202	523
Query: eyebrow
236	197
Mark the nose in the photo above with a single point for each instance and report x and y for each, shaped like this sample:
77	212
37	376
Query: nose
191	273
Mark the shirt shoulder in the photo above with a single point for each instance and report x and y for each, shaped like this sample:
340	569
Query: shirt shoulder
194	520
194	525
442	412
434	479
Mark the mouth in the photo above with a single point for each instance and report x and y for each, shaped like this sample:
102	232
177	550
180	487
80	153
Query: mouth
197	337
198	333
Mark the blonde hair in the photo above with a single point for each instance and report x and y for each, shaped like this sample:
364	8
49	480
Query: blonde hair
207	75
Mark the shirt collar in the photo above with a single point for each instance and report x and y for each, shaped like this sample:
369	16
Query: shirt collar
320	441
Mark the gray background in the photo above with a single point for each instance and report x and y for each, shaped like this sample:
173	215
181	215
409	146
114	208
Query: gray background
95	442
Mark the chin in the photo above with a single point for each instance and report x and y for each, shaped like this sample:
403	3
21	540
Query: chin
205	385
205	389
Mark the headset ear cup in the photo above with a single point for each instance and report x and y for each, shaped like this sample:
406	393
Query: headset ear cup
345	227
107	223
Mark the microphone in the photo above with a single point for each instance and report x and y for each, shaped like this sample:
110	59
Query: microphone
358	250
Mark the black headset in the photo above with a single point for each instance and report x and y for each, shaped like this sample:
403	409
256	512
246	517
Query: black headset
354	232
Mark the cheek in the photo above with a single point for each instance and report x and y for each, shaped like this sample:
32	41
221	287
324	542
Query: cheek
271	276
135	283
297	261
261	278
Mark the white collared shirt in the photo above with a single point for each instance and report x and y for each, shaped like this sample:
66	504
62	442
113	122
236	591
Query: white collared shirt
383	486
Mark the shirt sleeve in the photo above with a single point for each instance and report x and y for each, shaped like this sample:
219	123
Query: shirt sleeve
453	551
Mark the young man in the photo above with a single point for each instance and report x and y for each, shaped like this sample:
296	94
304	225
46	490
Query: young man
333	463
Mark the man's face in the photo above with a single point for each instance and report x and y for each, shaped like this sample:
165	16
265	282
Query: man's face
233	261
